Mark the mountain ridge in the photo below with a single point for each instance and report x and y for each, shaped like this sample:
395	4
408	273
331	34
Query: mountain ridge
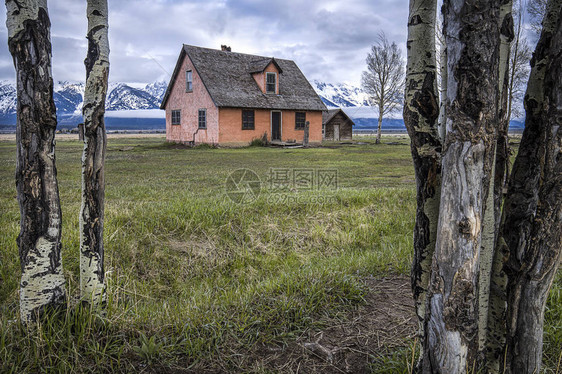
69	96
137	105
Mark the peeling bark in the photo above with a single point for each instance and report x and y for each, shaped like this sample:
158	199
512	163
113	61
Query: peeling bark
443	72
491	327
472	34
421	110
92	287
42	282
532	223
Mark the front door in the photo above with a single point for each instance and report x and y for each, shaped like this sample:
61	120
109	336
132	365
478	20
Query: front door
336	132
275	125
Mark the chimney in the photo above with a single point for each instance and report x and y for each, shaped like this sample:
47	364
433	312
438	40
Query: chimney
225	48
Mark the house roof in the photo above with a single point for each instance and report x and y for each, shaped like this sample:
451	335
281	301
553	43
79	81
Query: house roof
259	66
228	78
328	115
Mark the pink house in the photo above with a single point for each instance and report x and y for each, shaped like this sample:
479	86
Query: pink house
223	97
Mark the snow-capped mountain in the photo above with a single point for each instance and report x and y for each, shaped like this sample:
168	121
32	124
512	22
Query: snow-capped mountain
69	97
7	98
340	95
157	89
143	100
124	97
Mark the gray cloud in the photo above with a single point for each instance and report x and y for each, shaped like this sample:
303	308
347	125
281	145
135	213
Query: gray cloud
328	39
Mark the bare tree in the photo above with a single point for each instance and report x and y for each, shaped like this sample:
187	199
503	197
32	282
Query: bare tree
42	282
536	10
384	79
93	179
519	59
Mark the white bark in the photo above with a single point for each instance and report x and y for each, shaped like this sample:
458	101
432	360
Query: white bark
443	72
491	326
92	285
37	277
472	83
421	110
42	282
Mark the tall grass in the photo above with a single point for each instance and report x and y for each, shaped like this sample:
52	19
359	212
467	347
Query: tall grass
196	280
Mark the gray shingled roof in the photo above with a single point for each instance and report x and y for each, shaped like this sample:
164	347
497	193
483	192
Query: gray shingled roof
258	66
327	115
228	79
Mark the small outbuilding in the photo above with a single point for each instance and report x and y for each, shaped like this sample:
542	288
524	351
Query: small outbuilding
336	125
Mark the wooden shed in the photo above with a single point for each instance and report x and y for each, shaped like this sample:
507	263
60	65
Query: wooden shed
336	125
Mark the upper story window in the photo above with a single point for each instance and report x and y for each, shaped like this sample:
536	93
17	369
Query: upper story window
188	81
248	120
176	117
270	83
202	120
300	120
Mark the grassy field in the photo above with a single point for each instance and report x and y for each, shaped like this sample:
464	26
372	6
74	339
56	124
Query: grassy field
203	277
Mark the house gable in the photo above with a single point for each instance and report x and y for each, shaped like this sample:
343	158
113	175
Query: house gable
184	106
229	81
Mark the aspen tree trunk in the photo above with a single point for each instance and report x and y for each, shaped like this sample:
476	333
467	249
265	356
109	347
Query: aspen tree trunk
492	277
42	281
93	181
532	223
451	338
442	120
379	128
502	148
421	110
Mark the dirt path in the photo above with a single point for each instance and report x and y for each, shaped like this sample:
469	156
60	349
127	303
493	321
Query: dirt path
386	323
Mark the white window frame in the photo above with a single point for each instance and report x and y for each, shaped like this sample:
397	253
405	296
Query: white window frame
267	74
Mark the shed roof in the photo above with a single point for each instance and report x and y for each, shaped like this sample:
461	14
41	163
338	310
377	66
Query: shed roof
328	115
229	81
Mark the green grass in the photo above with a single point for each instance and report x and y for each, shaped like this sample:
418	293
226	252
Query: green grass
196	280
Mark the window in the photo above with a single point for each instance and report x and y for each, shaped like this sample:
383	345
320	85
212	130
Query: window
300	120
270	82
188	81
176	117
247	120
202	118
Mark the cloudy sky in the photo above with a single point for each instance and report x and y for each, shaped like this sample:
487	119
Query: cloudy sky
328	39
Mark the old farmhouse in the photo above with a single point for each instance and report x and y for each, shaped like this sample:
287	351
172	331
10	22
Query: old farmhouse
337	125
228	98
